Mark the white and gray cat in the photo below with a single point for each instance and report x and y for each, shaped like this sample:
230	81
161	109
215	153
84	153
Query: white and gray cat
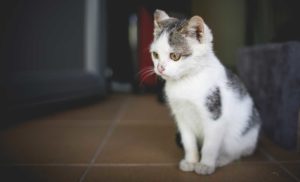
210	104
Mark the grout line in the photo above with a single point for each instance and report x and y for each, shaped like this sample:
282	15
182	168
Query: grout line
272	159
45	165
92	165
136	165
116	120
123	164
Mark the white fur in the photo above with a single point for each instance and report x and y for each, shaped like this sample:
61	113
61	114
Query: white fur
188	83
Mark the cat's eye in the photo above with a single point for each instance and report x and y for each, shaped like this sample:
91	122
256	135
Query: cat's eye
175	56
155	55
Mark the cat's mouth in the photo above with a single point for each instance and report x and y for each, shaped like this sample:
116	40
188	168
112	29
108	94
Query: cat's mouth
163	76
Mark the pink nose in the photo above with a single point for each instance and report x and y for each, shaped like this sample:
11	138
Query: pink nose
160	68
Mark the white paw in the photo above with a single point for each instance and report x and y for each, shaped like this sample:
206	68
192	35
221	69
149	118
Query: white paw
204	169
186	166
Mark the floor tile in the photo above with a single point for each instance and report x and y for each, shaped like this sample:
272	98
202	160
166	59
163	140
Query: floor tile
146	108
157	122
141	144
293	167
52	144
141	147
255	157
62	123
239	172
103	110
277	152
40	173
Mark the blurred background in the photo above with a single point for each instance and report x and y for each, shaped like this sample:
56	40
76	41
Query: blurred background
53	52
57	55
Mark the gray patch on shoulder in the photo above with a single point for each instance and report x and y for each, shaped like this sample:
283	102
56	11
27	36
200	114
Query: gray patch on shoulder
253	121
235	83
214	103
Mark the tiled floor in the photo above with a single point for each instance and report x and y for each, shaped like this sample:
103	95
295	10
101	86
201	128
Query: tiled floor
123	138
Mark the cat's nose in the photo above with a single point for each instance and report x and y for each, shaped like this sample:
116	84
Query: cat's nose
160	68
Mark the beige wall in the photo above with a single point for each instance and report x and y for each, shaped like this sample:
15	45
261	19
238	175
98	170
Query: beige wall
227	21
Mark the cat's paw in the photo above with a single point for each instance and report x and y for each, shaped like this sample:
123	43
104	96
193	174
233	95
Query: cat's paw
204	169
186	166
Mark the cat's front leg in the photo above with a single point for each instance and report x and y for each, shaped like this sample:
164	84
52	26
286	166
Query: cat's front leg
191	154
210	150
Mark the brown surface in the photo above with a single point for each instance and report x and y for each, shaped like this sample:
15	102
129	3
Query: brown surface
50	144
264	172
40	173
123	138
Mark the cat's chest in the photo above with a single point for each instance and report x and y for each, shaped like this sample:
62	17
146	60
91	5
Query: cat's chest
192	91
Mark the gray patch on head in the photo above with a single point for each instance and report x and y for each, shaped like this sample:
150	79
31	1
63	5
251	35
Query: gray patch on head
179	44
174	28
214	103
176	38
236	84
164	26
253	121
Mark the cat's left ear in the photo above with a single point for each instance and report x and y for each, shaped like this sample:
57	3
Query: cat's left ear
159	17
194	27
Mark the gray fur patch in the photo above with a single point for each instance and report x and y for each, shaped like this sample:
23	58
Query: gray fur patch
164	26
253	121
214	103
179	43
174	28
236	84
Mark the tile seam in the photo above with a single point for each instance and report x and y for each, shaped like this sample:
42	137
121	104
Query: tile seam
99	149
273	160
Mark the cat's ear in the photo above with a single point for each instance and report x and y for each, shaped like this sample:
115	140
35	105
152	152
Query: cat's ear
194	27
159	17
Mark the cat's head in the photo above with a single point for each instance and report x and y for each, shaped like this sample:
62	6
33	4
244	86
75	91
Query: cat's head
178	45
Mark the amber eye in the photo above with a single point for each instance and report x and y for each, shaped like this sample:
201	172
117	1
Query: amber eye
155	55
174	56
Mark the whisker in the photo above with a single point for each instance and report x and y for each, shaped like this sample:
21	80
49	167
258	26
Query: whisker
145	76
146	73
146	69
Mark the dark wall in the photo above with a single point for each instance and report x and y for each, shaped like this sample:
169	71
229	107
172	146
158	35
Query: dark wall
43	52
272	21
42	35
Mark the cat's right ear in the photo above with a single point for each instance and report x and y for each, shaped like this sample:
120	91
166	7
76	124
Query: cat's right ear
196	26
159	17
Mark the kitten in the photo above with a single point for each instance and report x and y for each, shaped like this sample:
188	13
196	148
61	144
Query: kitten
210	104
